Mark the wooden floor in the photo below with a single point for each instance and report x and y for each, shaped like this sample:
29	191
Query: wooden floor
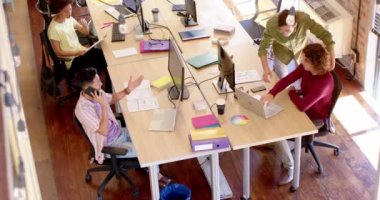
347	176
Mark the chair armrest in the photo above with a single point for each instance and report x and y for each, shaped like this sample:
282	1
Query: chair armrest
120	117
114	151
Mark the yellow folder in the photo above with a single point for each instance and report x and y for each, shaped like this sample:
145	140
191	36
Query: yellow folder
207	133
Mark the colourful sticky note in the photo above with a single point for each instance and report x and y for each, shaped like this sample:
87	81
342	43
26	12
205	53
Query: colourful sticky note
162	82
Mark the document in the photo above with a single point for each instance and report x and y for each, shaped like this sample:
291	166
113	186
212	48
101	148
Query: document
96	43
247	76
141	98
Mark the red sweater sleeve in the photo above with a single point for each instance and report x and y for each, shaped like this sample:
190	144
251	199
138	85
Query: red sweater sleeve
287	80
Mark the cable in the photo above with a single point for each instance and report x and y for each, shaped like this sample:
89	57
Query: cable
207	80
170	2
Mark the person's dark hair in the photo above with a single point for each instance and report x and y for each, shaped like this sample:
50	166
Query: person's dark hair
86	76
56	6
318	57
282	18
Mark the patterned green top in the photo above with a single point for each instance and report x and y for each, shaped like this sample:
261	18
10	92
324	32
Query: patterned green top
283	47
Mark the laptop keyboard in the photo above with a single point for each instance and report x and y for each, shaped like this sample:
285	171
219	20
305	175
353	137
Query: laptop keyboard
163	120
116	35
122	10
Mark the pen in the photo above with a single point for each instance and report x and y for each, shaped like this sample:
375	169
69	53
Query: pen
105	26
107	23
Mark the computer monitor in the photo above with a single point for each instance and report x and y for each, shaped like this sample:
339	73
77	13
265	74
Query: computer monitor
176	67
190	18
140	15
226	80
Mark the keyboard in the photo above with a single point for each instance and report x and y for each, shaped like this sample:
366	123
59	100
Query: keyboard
116	35
163	120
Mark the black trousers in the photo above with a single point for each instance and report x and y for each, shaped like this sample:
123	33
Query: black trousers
93	58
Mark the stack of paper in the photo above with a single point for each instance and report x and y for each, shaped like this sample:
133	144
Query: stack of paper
205	121
154	46
208	139
141	98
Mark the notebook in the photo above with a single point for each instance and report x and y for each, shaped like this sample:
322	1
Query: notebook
194	34
255	105
154	46
203	60
205	121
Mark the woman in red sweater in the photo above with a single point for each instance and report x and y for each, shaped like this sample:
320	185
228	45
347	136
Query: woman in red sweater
317	85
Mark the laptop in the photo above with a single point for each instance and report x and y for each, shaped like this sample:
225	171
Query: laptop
164	118
255	105
117	10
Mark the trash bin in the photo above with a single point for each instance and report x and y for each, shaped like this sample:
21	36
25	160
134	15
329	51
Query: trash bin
175	191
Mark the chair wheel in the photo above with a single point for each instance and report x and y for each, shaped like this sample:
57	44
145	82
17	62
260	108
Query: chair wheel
292	189
135	193
336	152
87	177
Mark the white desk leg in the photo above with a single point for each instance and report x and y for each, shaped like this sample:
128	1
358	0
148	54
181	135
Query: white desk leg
215	176
153	178
297	164
246	174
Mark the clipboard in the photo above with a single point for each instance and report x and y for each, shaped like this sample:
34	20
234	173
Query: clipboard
96	43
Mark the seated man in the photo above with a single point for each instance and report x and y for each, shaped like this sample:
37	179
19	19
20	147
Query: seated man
94	113
65	42
317	85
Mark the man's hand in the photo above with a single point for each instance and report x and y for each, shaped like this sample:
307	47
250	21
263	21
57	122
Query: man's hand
83	22
132	84
267	76
99	97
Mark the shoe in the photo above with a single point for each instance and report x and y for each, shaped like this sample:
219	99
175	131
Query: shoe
286	176
164	181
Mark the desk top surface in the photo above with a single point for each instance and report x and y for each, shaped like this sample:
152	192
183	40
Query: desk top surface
158	147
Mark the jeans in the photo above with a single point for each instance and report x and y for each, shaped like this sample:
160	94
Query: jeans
282	70
124	141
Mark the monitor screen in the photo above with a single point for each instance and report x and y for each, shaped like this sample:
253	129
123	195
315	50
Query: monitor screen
176	67
226	68
140	16
190	18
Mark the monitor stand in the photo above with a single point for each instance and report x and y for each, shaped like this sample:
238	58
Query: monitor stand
225	89
187	21
174	94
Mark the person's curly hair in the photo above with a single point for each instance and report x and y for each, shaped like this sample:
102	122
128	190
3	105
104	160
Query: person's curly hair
318	57
56	6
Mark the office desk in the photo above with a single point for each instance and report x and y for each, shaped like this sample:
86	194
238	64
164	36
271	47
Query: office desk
290	123
154	148
99	17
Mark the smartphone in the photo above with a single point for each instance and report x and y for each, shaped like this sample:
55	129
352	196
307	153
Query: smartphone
90	90
258	89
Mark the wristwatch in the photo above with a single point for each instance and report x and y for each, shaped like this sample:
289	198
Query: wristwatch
127	91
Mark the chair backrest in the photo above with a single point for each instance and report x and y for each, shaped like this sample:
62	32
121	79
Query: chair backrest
59	66
42	6
81	130
336	92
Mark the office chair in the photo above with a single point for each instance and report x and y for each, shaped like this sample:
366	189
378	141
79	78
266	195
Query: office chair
115	166
60	71
325	127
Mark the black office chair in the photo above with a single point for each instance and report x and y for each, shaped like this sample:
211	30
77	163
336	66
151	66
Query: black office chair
325	127
115	166
60	72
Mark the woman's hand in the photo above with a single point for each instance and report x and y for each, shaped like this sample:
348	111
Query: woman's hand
267	99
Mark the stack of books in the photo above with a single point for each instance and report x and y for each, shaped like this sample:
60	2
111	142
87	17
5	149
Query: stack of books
207	135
